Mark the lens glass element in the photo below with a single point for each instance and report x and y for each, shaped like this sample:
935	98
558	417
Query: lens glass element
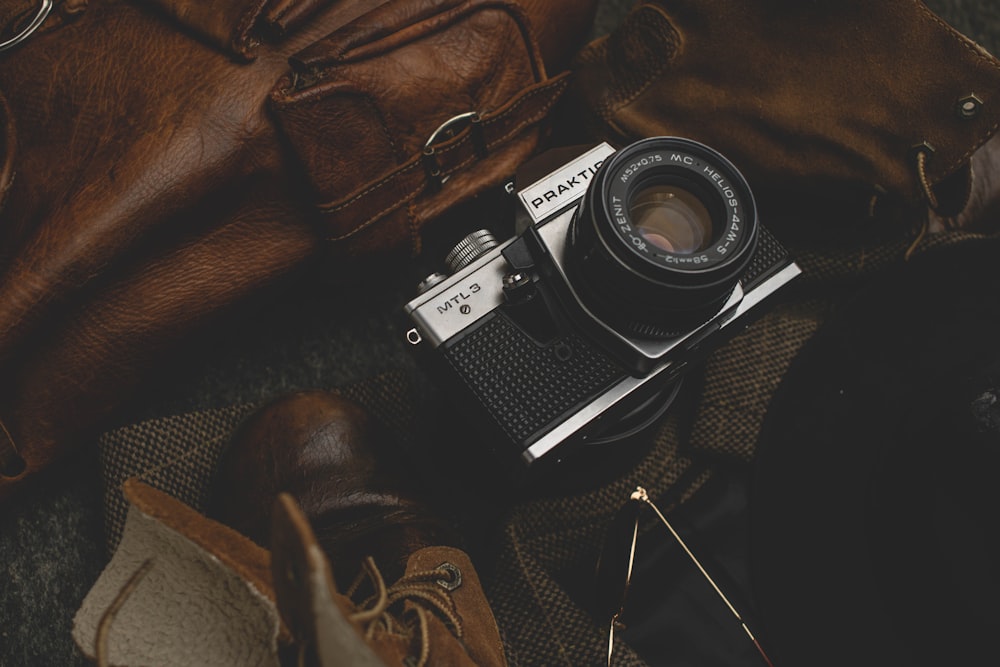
671	218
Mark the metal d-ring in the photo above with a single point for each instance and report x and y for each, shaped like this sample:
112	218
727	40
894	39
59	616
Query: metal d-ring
43	13
447	130
448	126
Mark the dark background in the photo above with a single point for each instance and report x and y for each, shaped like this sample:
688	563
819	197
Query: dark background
51	541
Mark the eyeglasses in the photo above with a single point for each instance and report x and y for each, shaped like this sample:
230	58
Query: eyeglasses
614	569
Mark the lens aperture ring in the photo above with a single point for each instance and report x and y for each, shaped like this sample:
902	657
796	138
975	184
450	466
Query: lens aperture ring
663	235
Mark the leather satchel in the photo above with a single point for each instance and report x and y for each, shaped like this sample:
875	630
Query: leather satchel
164	163
839	114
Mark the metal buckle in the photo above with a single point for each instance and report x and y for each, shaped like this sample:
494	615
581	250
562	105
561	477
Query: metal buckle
43	13
447	130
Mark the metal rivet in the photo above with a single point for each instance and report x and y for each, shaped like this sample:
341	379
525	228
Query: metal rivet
454	581
969	107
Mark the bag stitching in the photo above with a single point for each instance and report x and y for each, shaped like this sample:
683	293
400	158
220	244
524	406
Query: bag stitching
532	120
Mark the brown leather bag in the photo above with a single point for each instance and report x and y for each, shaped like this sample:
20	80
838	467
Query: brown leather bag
833	110
164	162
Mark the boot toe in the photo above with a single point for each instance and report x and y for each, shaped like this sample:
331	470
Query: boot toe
339	464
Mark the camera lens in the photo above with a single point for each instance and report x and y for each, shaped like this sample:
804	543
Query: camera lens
663	234
672	219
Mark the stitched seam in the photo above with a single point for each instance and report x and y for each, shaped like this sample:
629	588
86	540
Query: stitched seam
367	223
955	35
533	119
334	207
558	83
968	154
976	51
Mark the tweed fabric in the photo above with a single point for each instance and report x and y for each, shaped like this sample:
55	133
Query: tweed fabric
538	571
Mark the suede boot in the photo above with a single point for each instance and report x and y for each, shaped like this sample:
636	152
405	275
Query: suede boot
836	112
350	539
434	614
183	589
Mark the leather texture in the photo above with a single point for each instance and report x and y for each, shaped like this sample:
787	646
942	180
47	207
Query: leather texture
341	117
185	589
822	105
320	474
161	177
239	26
339	465
205	599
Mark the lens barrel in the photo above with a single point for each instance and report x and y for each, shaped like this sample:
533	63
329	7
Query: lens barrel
664	232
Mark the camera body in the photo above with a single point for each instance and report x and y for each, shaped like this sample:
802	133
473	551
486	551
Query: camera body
629	266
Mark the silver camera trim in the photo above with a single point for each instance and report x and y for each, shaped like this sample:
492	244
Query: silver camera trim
453	305
439	316
626	387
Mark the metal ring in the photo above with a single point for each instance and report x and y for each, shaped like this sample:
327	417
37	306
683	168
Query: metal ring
447	125
43	13
454	579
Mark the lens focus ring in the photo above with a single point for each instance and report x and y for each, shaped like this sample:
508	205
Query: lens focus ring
665	230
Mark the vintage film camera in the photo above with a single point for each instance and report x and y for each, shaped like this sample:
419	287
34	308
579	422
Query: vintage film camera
630	264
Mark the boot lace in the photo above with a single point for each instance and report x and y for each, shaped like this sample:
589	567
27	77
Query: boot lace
430	590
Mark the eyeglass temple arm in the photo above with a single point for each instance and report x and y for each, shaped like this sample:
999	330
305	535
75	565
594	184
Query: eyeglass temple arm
640	494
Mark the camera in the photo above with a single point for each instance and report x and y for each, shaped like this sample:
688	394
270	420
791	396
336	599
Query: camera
627	266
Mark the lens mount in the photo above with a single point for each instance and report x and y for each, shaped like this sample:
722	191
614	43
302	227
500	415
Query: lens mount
664	232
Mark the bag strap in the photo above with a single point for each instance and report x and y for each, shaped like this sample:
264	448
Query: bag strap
439	160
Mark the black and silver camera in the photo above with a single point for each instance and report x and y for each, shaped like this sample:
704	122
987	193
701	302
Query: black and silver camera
630	265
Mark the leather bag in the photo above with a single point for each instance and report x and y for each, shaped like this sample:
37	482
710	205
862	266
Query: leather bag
167	162
836	112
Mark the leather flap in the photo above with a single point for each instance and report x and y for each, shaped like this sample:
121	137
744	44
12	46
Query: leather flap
361	107
237	27
180	590
821	101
